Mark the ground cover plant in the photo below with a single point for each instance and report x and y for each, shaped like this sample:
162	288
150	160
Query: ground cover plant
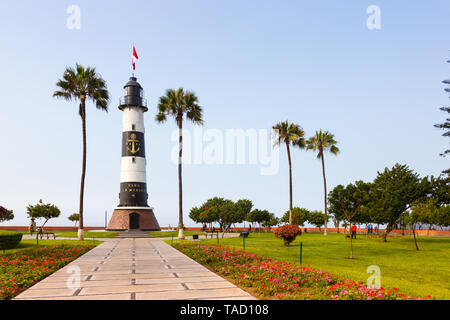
416	273
270	278
22	269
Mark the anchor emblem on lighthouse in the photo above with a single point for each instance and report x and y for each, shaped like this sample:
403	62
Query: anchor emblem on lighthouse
134	144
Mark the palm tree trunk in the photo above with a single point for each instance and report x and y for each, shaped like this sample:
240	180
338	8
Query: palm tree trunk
290	182
83	171
180	184
325	232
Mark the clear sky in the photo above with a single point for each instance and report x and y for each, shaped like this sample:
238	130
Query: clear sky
252	64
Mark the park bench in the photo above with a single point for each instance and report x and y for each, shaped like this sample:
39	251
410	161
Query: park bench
212	234
42	234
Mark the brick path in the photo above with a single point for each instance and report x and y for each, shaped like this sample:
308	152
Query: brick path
135	269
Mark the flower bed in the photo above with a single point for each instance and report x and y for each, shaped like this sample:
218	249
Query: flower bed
23	269
270	279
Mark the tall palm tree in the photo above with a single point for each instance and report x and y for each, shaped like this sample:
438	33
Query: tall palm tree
289	133
83	84
177	104
321	142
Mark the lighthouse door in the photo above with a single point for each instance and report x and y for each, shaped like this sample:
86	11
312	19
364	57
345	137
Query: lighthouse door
134	221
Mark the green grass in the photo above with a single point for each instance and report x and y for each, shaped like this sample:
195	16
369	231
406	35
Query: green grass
87	234
168	234
27	244
416	273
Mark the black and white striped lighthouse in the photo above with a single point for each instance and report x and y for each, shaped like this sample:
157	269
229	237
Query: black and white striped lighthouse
133	211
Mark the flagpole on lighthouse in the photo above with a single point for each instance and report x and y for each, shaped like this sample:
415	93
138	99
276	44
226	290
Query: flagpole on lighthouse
133	59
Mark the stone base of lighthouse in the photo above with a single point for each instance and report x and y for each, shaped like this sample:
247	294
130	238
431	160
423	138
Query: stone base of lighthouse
133	218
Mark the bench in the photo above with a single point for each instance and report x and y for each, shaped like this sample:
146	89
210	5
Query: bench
244	234
42	234
213	234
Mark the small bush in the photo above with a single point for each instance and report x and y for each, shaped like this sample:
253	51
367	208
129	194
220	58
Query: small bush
288	233
9	239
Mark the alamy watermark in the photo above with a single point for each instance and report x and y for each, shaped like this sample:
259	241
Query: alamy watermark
74	19
228	147
374	281
74	280
373	22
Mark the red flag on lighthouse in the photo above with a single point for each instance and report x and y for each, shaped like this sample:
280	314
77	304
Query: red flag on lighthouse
135	57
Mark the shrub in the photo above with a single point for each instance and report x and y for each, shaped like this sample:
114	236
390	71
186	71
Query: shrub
288	233
9	239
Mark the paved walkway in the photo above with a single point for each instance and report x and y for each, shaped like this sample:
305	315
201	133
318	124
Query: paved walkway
134	269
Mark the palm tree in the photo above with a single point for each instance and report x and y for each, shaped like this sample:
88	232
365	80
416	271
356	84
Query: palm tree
323	141
178	103
81	84
289	133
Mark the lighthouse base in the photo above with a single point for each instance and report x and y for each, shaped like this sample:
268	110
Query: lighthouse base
133	218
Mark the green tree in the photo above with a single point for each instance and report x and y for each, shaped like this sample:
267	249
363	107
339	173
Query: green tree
179	104
194	214
442	216
446	127
74	217
440	189
391	194
252	217
316	218
346	202
213	206
5	214
207	212
230	213
421	212
271	221
299	216
322	142
259	216
45	211
83	84
289	134
246	206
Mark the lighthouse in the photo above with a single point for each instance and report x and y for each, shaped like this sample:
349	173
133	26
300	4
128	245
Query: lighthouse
133	211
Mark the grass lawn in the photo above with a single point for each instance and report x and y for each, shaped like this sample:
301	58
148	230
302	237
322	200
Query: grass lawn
168	234
87	234
31	244
417	273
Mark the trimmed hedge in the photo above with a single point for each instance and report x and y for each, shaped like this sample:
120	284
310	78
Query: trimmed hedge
288	233
9	239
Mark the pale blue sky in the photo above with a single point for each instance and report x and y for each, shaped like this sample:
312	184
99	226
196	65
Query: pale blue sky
251	63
